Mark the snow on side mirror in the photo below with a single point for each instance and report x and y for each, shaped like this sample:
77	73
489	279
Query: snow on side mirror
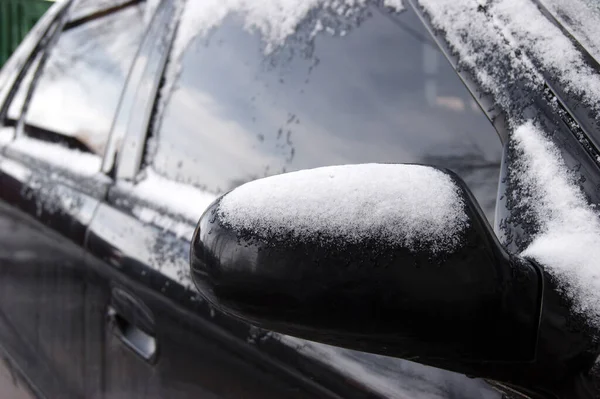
394	259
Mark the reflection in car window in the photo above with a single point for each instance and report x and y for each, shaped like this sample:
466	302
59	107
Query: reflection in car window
16	105
78	91
372	88
85	8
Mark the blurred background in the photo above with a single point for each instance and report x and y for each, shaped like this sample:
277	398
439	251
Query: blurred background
17	17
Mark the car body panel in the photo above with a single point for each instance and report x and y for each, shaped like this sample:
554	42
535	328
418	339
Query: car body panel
70	242
43	277
195	358
200	353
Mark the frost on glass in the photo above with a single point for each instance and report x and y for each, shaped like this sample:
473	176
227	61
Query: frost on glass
246	96
85	8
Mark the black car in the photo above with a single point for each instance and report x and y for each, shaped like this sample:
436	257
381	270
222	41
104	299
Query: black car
135	135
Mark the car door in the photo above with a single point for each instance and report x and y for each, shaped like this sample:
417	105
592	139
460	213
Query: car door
156	340
32	255
55	124
226	108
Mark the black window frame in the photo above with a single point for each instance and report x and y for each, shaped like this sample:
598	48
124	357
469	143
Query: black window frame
128	135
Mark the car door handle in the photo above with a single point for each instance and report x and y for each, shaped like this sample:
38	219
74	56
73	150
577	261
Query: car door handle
133	324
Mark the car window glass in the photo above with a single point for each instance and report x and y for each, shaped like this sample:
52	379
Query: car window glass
16	105
372	88
85	8
77	93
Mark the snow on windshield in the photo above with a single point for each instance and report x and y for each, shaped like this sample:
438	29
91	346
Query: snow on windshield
409	205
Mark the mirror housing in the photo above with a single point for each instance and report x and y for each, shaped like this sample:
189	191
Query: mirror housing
390	259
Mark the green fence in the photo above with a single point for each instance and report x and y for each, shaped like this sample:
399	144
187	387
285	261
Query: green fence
17	17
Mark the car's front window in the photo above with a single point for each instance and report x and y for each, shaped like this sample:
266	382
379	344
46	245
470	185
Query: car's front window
367	88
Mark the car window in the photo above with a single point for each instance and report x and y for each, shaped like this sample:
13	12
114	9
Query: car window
16	105
77	94
17	74
371	87
7	127
85	8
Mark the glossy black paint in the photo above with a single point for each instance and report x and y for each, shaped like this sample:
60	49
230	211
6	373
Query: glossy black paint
379	376
195	350
91	244
365	296
43	281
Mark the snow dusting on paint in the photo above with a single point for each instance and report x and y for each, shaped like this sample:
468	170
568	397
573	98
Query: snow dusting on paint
581	18
183	199
568	244
511	46
6	135
78	162
391	377
550	47
181	229
410	205
480	45
506	39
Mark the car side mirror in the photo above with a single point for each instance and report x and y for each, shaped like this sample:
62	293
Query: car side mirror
394	259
